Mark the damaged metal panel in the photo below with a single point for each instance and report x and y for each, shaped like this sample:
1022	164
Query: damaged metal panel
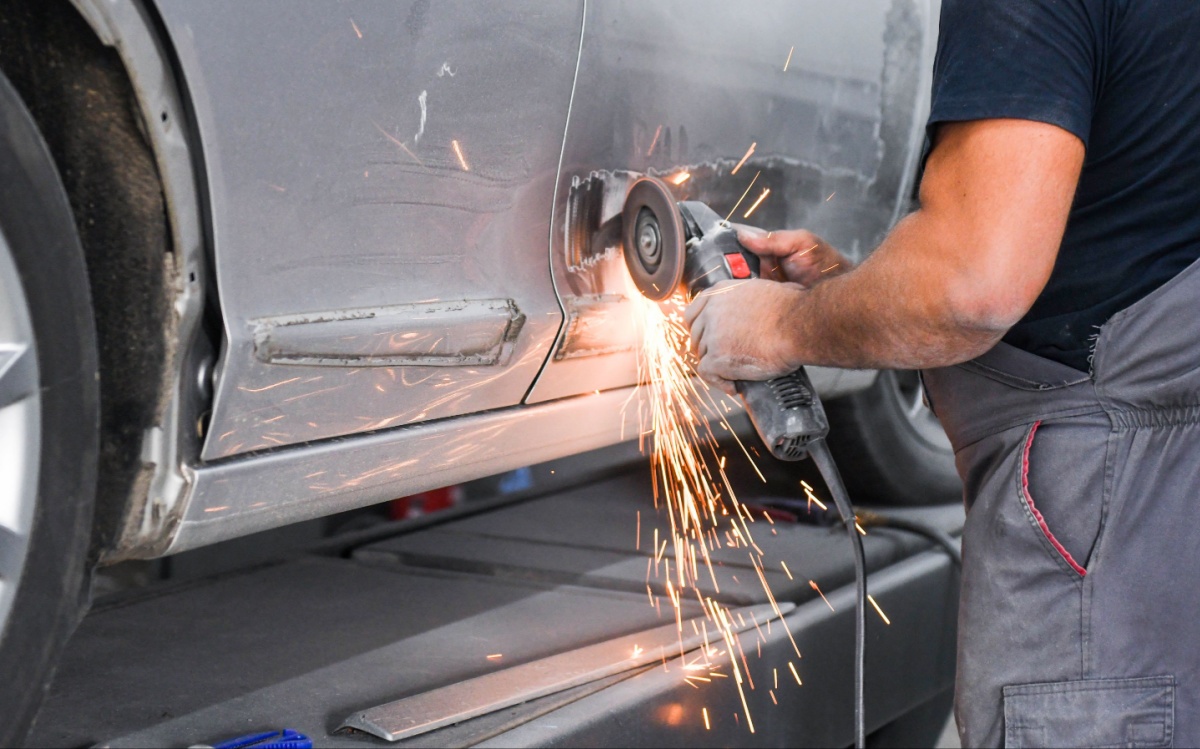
827	103
436	334
591	321
370	156
250	494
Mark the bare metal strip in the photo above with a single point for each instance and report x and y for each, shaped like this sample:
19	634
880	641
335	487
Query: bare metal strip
468	699
438	334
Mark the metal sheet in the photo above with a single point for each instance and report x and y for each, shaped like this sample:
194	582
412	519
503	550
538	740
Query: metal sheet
382	153
468	699
908	663
829	95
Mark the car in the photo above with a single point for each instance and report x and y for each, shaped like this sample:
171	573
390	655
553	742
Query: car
264	262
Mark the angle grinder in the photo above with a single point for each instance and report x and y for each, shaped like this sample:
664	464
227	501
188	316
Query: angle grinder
687	247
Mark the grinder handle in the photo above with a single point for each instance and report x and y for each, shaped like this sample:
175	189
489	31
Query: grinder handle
786	412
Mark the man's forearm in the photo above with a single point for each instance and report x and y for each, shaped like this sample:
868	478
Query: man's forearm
900	309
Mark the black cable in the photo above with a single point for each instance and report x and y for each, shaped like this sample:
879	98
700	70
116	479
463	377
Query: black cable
870	519
824	461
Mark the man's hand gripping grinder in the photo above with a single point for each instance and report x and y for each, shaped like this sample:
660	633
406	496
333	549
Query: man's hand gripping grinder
686	246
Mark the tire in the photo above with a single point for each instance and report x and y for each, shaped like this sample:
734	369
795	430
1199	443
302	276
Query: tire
49	418
890	447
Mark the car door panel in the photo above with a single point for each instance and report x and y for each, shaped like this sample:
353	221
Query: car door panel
380	177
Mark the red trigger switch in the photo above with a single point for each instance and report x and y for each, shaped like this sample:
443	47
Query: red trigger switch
737	265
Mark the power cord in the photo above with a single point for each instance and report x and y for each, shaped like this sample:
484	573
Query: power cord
833	479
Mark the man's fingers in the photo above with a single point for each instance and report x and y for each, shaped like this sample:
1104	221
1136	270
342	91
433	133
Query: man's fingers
776	243
711	378
714	379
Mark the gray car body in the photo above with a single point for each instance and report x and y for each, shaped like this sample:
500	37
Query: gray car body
379	198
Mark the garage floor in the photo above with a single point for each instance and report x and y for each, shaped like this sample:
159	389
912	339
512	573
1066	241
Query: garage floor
306	641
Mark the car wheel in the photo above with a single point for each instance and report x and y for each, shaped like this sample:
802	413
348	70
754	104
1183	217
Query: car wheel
49	418
889	445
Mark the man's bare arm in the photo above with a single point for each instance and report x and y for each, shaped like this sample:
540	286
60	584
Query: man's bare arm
949	280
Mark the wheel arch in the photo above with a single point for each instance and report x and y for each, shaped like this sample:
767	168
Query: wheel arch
99	78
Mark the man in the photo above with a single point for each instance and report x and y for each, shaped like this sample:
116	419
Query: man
1047	285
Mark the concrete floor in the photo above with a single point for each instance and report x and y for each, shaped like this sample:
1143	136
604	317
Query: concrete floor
352	622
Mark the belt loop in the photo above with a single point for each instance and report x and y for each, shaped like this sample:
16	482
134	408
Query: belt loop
925	392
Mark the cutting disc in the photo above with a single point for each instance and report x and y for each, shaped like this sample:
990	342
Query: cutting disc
652	234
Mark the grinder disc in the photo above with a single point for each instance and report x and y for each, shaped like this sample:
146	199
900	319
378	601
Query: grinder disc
652	234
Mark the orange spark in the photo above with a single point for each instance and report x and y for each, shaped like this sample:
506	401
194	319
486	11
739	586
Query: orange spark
654	142
785	569
792	666
399	143
789	60
735	205
691	488
749	152
766	191
356	29
707	725
268	387
462	160
680	178
823	598
495	656
881	614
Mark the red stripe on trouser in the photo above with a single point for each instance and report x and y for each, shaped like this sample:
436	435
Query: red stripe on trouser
1041	521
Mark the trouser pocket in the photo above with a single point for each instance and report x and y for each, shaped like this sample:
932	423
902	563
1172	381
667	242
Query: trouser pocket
1091	713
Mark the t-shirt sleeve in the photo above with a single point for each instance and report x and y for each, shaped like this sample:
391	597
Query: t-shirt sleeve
1020	59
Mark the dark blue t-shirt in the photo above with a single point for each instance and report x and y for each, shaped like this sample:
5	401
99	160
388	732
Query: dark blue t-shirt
1123	76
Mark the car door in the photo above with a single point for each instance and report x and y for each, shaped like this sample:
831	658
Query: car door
381	175
825	100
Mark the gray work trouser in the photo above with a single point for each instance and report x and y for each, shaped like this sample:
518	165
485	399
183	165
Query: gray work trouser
1080	616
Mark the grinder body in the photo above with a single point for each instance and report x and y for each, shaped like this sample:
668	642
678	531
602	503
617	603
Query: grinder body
786	412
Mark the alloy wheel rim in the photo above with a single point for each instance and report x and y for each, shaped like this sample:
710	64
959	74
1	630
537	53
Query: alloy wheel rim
20	431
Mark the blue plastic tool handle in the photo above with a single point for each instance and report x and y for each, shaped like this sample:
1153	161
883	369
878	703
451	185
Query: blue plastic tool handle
285	739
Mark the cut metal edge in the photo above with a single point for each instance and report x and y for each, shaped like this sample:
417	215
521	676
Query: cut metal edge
380	720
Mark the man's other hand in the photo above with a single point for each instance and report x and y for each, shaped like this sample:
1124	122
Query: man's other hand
741	330
798	256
